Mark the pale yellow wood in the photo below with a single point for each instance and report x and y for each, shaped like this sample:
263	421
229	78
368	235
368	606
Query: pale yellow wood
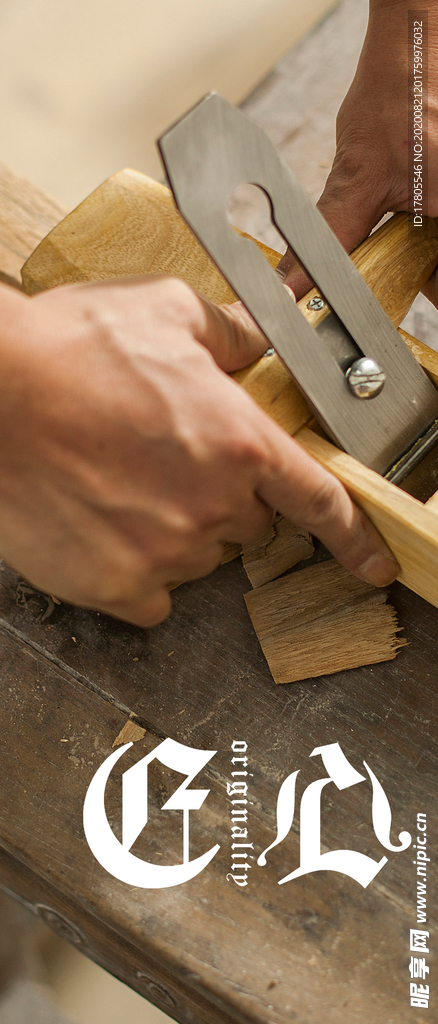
396	262
410	528
423	354
128	226
432	503
271	386
26	215
130	733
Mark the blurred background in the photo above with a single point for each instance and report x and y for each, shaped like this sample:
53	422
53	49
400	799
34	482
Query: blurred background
88	86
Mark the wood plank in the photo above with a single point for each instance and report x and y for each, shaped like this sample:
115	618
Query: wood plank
280	550
216	950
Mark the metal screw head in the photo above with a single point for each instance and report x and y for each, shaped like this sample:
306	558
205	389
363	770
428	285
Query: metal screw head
365	378
316	303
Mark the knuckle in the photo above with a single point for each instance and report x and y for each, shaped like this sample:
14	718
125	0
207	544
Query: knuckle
178	295
199	566
352	170
171	549
211	511
114	579
142	612
246	447
124	587
345	177
324	503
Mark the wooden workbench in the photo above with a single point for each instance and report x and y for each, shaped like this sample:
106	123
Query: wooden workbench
319	949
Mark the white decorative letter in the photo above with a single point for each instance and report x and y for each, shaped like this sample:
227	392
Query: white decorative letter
115	856
349	862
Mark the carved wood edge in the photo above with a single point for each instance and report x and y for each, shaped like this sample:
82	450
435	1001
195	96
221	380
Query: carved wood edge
98	941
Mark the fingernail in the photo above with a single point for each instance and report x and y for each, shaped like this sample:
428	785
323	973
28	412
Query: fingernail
380	570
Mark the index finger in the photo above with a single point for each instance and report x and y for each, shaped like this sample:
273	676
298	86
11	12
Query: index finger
304	492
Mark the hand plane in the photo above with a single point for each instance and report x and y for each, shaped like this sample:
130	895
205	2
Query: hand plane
130	225
361	382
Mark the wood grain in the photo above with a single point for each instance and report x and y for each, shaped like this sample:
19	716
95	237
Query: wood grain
410	528
127	226
423	354
322	620
205	952
131	732
282	548
26	215
400	265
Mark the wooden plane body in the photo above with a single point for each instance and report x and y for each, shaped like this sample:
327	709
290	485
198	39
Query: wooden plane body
130	226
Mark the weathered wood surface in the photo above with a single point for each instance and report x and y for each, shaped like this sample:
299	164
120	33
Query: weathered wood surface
213	949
